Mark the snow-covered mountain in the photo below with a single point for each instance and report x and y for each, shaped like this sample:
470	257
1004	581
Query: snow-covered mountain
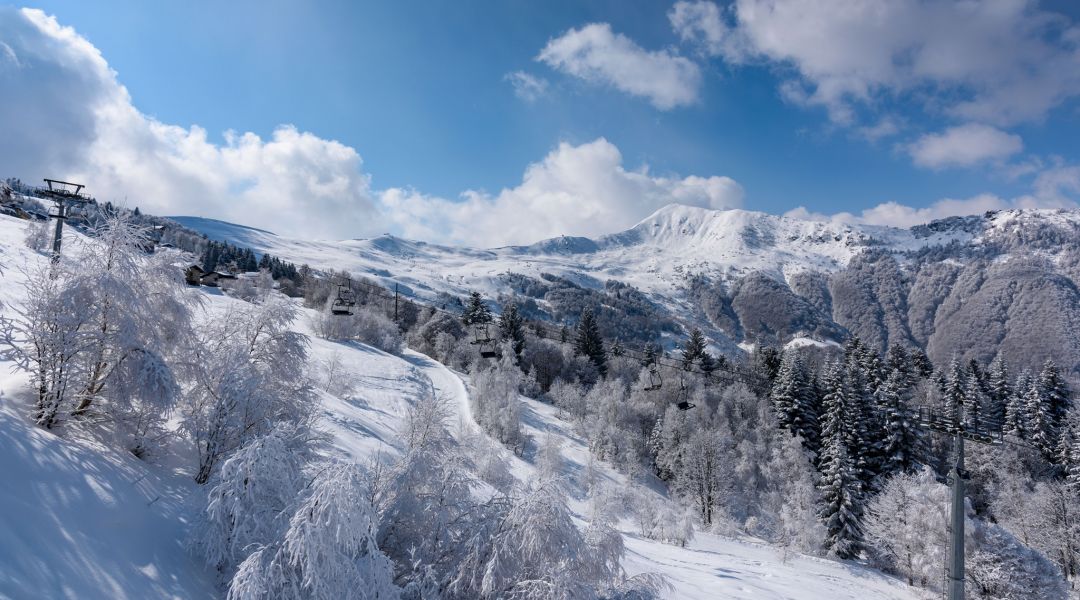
749	278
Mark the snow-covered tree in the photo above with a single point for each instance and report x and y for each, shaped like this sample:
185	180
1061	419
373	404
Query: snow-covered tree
1000	390
841	502
954	392
495	403
1016	410
1048	403
249	501
247	375
791	496
903	444
704	478
795	401
841	487
476	312
426	509
329	550
999	566
103	331
694	349
904	526
530	548
39	235
45	338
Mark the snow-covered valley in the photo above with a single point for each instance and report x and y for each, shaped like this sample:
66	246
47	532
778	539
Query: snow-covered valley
82	520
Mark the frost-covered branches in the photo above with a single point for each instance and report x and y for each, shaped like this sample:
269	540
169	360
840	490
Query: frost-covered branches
248	374
495	403
103	331
248	503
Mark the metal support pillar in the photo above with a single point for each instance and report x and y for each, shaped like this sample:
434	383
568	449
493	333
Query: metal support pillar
956	543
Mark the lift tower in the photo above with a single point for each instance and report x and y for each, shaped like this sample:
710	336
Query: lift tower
61	193
969	427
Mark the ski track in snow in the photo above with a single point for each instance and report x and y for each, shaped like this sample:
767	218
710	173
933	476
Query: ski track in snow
82	521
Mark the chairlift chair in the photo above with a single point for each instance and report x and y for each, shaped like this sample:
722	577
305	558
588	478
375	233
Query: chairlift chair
655	381
684	403
344	301
482	338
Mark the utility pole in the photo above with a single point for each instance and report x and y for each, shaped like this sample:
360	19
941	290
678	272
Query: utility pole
973	429
395	302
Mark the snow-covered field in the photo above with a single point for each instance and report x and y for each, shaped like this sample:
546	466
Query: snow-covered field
78	520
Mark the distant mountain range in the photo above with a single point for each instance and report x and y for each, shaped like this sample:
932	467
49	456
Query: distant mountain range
968	287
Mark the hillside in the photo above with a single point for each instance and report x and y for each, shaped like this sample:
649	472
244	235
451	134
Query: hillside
87	521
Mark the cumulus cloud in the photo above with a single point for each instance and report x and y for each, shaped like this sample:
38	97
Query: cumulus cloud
574	190
527	86
1057	186
66	115
999	62
596	54
964	146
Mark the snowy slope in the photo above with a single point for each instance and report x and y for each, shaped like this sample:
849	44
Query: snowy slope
77	519
82	521
710	567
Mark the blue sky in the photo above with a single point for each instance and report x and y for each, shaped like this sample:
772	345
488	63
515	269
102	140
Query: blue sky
423	92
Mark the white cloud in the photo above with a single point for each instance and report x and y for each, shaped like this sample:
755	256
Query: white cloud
701	23
1057	186
65	115
527	86
1000	62
964	146
574	190
596	54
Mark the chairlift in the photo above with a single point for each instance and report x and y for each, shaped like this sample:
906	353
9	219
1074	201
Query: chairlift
482	338
654	381
345	299
684	403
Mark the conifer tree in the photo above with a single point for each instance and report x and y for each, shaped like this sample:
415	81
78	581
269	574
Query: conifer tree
903	445
476	312
1068	453
795	401
866	429
707	364
953	384
999	390
511	327
695	347
920	363
767	363
974	398
1047	406
651	354
897	359
841	488
589	343
1016	413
